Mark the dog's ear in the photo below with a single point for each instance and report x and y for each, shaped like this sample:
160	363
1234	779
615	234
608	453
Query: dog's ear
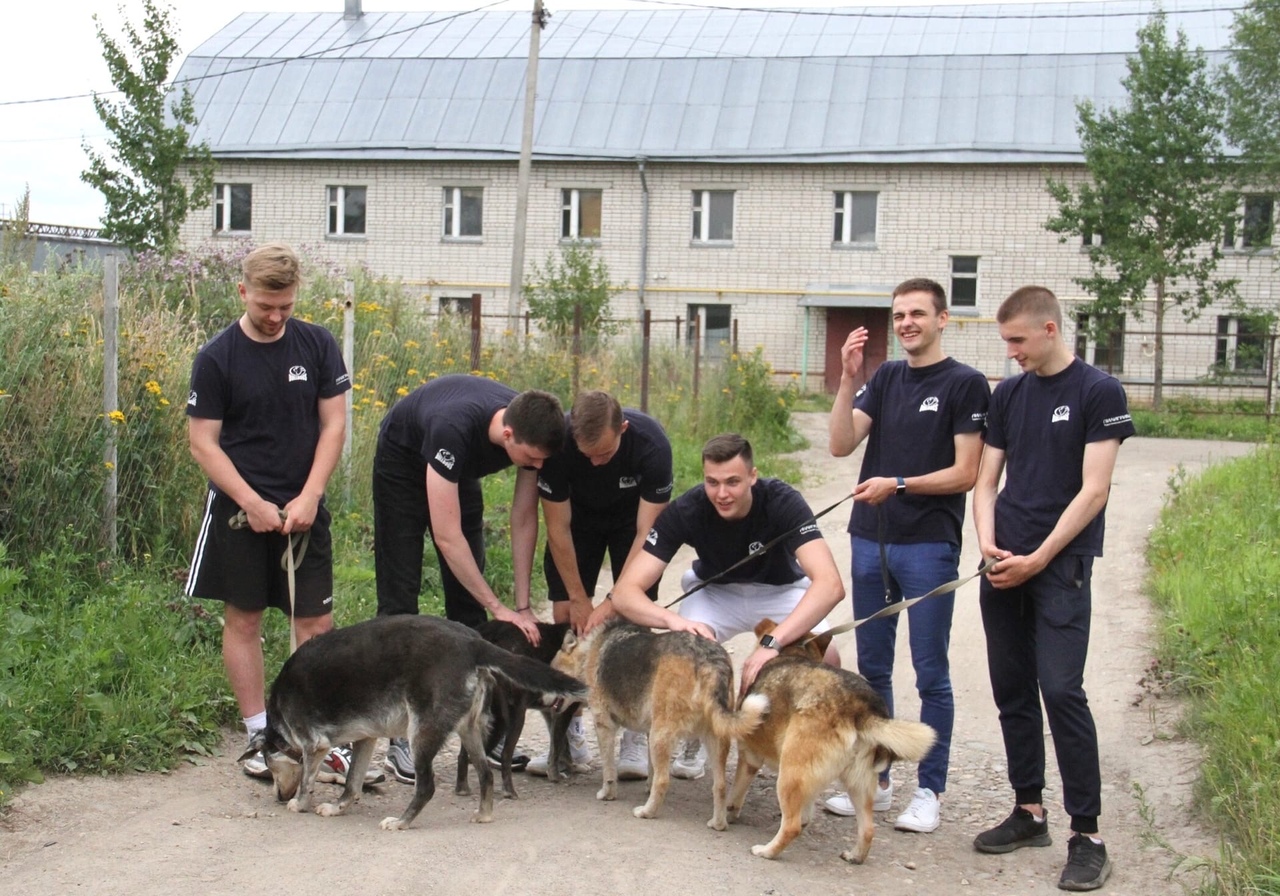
764	626
257	743
820	643
570	641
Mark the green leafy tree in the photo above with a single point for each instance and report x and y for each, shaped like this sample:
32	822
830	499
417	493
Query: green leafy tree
17	246
142	178
576	278
1252	86
1157	195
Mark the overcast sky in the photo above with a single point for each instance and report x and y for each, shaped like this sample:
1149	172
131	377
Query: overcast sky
52	51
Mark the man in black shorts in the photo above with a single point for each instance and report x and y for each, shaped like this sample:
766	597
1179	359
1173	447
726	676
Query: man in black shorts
434	446
1055	432
602	493
266	417
725	519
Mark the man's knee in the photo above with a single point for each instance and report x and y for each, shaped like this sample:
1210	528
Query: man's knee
310	626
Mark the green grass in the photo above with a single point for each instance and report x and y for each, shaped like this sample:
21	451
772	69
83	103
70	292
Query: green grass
1215	569
1190	418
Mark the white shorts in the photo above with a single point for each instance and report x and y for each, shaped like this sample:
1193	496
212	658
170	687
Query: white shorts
731	608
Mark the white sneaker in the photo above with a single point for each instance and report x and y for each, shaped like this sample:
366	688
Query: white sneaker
692	761
922	815
579	753
256	767
840	804
633	756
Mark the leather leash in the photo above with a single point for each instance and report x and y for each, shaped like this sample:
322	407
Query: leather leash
756	553
895	608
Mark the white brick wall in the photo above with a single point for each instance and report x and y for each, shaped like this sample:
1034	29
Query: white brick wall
781	247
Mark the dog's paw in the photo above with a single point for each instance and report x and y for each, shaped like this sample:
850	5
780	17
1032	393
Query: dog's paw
462	790
644	812
328	810
852	857
607	793
731	814
392	824
296	805
482	818
716	824
764	851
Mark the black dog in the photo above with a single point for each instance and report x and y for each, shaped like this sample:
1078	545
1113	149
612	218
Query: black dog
388	677
510	702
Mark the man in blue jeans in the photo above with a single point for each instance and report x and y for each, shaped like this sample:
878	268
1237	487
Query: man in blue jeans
922	419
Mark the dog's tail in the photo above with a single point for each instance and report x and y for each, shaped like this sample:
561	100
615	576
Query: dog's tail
728	724
905	740
548	686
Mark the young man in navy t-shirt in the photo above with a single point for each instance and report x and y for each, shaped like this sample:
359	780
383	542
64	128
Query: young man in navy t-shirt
732	514
922	419
266	417
601	494
1055	431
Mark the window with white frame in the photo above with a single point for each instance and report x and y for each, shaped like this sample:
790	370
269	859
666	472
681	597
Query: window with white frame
456	305
1255	225
855	218
1100	341
232	208
712	324
580	214
964	281
713	216
463	213
1242	345
347	211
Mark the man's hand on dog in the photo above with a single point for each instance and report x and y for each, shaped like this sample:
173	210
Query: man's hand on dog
752	665
680	624
523	620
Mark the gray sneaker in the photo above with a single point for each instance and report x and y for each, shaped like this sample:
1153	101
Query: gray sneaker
633	756
399	761
691	763
256	767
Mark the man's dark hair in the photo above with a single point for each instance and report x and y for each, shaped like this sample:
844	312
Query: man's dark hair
725	447
924	284
1035	302
594	414
536	419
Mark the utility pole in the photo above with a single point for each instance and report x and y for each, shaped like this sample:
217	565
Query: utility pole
525	169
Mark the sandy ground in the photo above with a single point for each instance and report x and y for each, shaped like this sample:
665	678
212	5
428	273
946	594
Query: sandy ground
207	828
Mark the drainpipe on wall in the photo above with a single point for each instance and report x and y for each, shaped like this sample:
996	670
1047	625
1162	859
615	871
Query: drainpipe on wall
644	233
352	9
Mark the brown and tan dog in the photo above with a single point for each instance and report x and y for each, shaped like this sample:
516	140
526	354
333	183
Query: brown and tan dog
823	724
673	685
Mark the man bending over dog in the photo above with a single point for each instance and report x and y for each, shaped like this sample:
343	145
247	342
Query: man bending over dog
602	493
266	418
725	519
434	446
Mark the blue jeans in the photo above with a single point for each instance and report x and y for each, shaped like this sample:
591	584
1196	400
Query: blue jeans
914	569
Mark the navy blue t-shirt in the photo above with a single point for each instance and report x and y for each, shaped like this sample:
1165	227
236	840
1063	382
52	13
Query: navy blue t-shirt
1042	423
639	469
916	414
266	394
776	508
446	423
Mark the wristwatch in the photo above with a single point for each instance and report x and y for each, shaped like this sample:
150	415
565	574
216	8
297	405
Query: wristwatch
771	643
902	487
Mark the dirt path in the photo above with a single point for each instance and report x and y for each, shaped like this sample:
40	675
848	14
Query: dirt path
206	828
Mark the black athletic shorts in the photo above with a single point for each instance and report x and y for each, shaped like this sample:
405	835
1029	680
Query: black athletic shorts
243	568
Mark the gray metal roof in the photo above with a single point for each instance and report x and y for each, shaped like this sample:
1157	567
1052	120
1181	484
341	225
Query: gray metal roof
941	83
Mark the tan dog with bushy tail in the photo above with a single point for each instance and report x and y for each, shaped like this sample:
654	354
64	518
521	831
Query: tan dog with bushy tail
824	724
673	685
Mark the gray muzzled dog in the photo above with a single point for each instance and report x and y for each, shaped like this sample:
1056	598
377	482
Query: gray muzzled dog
392	676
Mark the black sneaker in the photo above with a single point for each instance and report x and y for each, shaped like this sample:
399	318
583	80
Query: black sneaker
1087	864
518	760
399	761
1018	830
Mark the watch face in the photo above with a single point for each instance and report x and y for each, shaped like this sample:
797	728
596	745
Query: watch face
770	642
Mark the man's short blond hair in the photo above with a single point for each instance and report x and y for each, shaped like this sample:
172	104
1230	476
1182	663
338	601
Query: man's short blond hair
271	267
1035	302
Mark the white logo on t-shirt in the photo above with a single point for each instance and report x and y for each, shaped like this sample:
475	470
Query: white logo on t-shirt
191	399
930	404
297	372
542	485
755	547
808	527
445	458
652	537
1061	413
627	482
